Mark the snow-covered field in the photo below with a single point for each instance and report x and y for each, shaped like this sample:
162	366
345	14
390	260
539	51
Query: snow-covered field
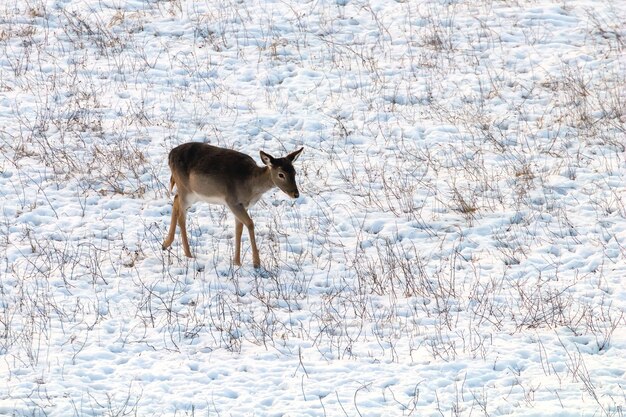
458	248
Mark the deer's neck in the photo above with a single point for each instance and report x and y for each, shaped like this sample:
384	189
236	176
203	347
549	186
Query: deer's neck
261	183
258	184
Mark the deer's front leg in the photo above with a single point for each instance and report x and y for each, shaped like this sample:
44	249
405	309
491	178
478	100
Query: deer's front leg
238	232
242	215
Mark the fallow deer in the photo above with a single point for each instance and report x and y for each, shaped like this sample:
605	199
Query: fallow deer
202	172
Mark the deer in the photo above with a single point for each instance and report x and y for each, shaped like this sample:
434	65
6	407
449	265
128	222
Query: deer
203	172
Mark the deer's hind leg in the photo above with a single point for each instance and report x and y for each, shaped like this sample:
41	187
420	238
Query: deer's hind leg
179	214
170	235
182	223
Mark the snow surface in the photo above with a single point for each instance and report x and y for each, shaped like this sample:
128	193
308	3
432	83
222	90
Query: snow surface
458	248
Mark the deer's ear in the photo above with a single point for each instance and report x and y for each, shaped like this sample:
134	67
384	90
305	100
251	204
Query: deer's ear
294	155
267	159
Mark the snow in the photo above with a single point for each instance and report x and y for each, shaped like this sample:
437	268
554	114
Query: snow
458	247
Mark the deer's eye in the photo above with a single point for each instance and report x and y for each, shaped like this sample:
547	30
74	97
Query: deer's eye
281	175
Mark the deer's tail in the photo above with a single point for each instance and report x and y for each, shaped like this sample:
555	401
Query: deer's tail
172	183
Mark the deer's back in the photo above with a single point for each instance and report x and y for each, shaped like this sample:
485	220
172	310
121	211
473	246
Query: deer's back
212	161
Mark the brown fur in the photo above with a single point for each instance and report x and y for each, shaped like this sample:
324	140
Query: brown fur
218	175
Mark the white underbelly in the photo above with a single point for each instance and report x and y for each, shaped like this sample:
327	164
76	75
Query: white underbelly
195	197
